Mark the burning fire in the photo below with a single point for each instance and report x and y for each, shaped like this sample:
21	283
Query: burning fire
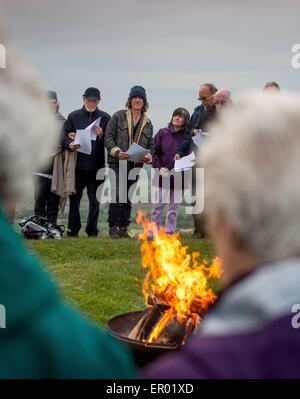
175	278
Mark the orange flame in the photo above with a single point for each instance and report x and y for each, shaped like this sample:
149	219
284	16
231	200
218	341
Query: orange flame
176	277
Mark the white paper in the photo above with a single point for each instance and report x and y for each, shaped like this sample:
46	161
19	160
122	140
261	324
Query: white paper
83	138
136	151
199	138
185	163
90	128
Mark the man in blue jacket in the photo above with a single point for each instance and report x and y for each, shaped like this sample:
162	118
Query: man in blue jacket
206	96
203	114
86	165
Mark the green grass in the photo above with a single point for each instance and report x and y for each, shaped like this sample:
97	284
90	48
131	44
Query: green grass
98	274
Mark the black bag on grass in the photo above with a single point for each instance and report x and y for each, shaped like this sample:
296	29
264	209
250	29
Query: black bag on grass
39	228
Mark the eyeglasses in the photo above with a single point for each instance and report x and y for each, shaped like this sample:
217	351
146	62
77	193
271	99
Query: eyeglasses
204	98
221	102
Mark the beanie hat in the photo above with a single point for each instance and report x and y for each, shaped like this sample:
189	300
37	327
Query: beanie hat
137	91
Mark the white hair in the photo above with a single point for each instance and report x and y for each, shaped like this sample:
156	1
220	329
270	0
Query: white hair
252	173
27	126
225	92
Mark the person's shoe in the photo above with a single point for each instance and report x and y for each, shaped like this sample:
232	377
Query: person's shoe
70	234
124	232
114	232
93	234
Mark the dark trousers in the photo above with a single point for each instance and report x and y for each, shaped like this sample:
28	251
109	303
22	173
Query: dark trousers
120	207
84	178
46	203
199	218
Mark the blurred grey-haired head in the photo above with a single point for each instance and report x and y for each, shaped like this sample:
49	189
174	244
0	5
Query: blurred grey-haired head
27	126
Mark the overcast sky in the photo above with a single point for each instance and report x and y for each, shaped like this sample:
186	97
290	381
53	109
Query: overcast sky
168	46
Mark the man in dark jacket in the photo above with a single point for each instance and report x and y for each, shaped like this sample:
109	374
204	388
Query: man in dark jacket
202	116
87	165
126	127
46	202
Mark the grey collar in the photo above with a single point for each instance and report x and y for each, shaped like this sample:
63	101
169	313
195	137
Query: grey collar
266	294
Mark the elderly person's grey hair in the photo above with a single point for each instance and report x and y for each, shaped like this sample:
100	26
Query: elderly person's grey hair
252	172
225	92
27	126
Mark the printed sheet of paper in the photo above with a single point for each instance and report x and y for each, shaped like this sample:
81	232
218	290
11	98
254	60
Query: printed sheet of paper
136	151
199	138
83	138
90	128
185	163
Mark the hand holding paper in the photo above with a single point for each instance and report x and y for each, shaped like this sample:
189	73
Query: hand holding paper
123	155
73	147
90	128
98	131
145	158
185	163
83	138
135	152
199	138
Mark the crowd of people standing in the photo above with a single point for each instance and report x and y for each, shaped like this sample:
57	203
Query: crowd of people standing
70	171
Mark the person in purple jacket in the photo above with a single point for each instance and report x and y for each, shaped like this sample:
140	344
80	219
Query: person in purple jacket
252	200
166	141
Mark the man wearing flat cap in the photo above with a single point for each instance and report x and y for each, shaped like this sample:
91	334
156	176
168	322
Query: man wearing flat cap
128	126
87	165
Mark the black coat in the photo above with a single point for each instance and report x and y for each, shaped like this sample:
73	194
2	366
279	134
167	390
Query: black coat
199	120
207	116
80	119
186	143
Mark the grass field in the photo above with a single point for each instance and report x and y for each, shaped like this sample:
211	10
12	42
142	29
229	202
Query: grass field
98	275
